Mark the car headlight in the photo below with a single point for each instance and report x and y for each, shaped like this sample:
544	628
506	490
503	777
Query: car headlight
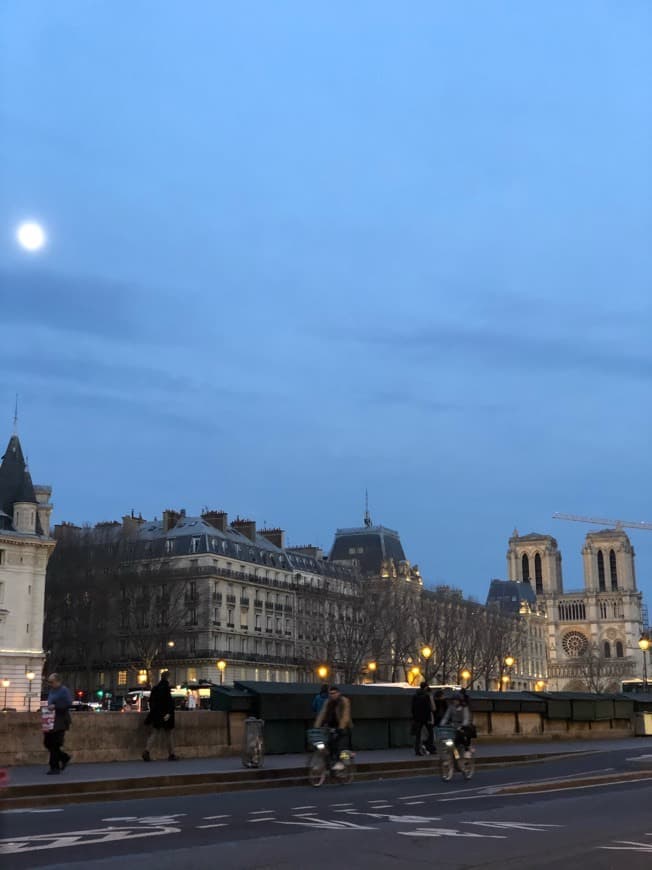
449	743
320	745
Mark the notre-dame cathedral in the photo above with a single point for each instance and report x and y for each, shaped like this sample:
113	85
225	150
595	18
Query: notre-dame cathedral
593	632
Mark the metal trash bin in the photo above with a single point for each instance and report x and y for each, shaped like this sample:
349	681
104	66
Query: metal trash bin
253	744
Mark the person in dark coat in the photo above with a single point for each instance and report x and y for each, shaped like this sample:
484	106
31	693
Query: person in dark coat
60	701
423	717
319	700
160	718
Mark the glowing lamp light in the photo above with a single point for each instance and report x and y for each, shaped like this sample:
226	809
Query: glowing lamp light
426	652
322	672
31	236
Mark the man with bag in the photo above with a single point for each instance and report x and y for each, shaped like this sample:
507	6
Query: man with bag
55	722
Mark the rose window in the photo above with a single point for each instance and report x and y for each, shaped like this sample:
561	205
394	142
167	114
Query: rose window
574	644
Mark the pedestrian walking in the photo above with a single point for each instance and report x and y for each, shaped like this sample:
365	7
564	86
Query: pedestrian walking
191	701
160	718
423	711
58	722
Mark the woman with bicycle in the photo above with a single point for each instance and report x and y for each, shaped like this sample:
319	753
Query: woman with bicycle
458	716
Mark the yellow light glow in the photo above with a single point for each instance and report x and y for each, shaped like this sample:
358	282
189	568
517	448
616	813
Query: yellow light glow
644	644
30	675
221	665
31	236
509	661
466	674
372	666
426	652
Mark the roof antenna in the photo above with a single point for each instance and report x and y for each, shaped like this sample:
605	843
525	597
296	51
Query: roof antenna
367	515
16	416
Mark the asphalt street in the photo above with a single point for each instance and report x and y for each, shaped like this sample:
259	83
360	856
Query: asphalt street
393	823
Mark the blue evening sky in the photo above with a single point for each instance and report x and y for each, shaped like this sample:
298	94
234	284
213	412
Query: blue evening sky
299	249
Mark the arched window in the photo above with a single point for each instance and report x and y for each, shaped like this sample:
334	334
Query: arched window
613	571
538	574
525	562
601	581
607	649
619	650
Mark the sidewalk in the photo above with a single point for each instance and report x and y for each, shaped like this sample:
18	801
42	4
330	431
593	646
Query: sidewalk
134	770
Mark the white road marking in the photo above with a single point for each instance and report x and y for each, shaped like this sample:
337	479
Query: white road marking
20	812
398	820
639	758
346	804
329	825
573	787
262	819
449	832
308	807
515	826
216	825
210	818
38	842
413	803
261	812
628	846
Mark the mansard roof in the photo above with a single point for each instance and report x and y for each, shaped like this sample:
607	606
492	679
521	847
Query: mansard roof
369	545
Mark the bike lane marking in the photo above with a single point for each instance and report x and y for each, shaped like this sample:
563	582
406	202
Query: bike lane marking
450	832
38	842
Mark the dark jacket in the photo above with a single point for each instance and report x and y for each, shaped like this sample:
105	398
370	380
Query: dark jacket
61	700
318	702
161	704
422	707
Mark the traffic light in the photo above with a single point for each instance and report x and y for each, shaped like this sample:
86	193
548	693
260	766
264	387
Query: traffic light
100	694
80	694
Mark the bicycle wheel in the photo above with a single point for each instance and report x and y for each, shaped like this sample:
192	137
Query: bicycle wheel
467	766
446	767
317	770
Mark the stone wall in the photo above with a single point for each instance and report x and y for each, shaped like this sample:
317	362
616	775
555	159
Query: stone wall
99	737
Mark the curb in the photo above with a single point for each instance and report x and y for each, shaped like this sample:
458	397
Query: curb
171	785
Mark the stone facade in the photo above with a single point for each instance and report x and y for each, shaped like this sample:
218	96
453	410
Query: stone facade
592	633
25	548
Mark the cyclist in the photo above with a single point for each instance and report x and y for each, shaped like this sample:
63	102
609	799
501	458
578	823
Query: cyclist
458	715
336	716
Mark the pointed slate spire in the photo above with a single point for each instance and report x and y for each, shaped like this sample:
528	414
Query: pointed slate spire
15	480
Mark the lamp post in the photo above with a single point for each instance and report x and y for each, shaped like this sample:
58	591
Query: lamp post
510	661
539	686
221	667
466	676
644	645
372	666
414	673
171	644
30	676
426	653
322	672
5	686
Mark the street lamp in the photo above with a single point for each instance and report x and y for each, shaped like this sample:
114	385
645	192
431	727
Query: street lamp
426	653
30	676
644	645
221	667
322	672
539	685
5	686
510	661
414	672
505	681
466	676
372	670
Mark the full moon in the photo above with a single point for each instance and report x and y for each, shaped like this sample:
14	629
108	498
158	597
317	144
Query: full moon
31	236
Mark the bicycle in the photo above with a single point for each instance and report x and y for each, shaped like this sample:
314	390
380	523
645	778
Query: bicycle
319	763
450	758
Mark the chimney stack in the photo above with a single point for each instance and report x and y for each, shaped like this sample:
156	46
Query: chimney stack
246	528
218	519
170	519
274	536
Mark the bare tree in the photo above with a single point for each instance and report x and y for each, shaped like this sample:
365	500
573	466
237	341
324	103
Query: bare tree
593	669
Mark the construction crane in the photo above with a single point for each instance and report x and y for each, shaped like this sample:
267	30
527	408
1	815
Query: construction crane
601	521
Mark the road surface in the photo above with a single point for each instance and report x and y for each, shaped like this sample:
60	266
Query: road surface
418	822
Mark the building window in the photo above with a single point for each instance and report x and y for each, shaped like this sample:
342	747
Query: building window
603	609
195	545
601	581
525	564
613	571
169	546
538	574
229	618
619	650
2	557
2	591
122	678
607	649
100	678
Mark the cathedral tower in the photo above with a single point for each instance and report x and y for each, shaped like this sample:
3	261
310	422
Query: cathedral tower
535	559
